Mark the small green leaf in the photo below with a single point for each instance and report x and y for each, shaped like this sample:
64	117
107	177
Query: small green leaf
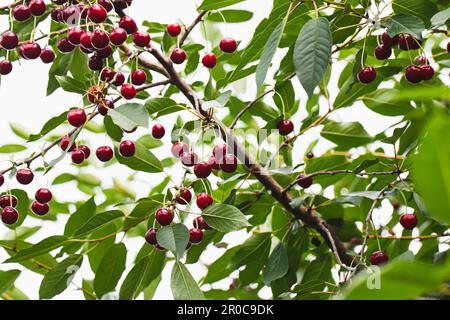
441	17
254	249
184	286
78	218
71	85
350	134
50	125
143	160
404	23
129	116
38	249
217	4
12	148
98	221
225	218
174	238
230	16
110	269
161	106
7	279
277	265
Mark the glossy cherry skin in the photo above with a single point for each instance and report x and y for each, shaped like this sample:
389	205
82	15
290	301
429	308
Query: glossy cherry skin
97	13
128	91
47	55
228	45
74	35
221	151
407	42
65	143
378	258
8	201
118	36
141	39
409	221
304	181
128	24
204	200
41	209
119	79
30	50
24	176
95	63
285	127
37	7
209	60
78	156
86	150
43	195
5	67
21	12
179	148
2	179
413	74
105	52
107	74
107	4
184	196
214	163
99	39
77	117
9	40
427	72
229	163
421	60
367	75
383	52
164	216
388	41
189	158
174	29
104	106
150	236
158	131
86	41
127	148
9	215
195	236
202	170
138	77
64	46
104	153
178	56
200	223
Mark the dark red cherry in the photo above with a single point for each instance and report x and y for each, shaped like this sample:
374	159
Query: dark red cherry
195	236
427	72
64	144
95	63
30	50
209	60
119	79
86	42
107	74
77	117
43	195
128	91
184	196
127	148
285	127
86	150
174	29
214	163
107	4
141	39
24	176
367	75
202	170
150	236
99	39
200	223
5	67
164	216
64	46
421	60
383	52
21	12
104	153
128	24
74	35
10	215
178	56
118	36
304	181
158	131
228	45
204	200
41	209
189	158
413	74
229	163
78	156
9	40
407	42
378	258
97	13
104	106
47	55
8	201
388	41
37	7
138	77
409	221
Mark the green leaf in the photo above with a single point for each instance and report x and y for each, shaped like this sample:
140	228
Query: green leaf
77	219
71	85
404	23
350	134
7	279
316	275
110	269
217	4
385	102
98	221
225	218
22	207
19	130
174	238
277	265
312	53
12	148
230	16
254	249
352	90
113	130
432	170
38	249
50	125
424	9
184	286
441	17
220	268
268	53
59	278
160	106
129	116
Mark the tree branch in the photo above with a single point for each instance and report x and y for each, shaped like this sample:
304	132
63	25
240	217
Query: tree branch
191	27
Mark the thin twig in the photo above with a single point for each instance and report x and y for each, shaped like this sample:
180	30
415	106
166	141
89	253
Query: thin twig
247	107
191	27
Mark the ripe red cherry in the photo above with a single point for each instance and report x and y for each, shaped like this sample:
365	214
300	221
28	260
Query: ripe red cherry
407	42
189	158
77	117
127	148
71	15
74	35
128	91
409	221
122	4
420	60
128	24
56	15
141	39
8	201
104	106
202	170
378	258
150	236
220	151
388	41
107	4
184	197
138	77
41	209
2	179
9	40
119	79
174	29
209	60
367	75
43	195
118	36
86	150
178	56
64	144
104	153
105	52
95	63
99	39
24	176
47	55
158	131
427	72
304	181
179	148
9	215
164	216
95	95
30	50
64	46
21	12
229	163
213	162
86	42
383	52
97	13
78	156
5	67
200	223
37	7
228	45
195	236
413	74
107	74
285	127
204	200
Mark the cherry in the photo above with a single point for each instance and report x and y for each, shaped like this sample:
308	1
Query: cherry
5	67
138	77
78	156
128	91
99	39
409	221
86	150
77	117
9	40
43	195
118	36
106	4
74	35
30	50
8	201
174	29
150	236
285	127
21	12
97	13
229	163
158	131
119	79
37	7
141	39
95	95
367	75
70	15
184	197
202	170
388	41
122	4
24	176
105	52
64	144
64	46
40	209
178	56
220	151
95	63
56	15
420	60
213	163
195	236
2	179
200	223
86	41
310	155
164	216
448	47
413	74
189	158
59	2
127	148
107	74
47	55
407	42
104	153
179	148
209	60
10	215
427	72
104	106
378	258
228	45
383	52
128	24
204	200
304	181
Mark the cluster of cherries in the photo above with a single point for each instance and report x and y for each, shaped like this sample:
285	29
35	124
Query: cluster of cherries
165	216
414	73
